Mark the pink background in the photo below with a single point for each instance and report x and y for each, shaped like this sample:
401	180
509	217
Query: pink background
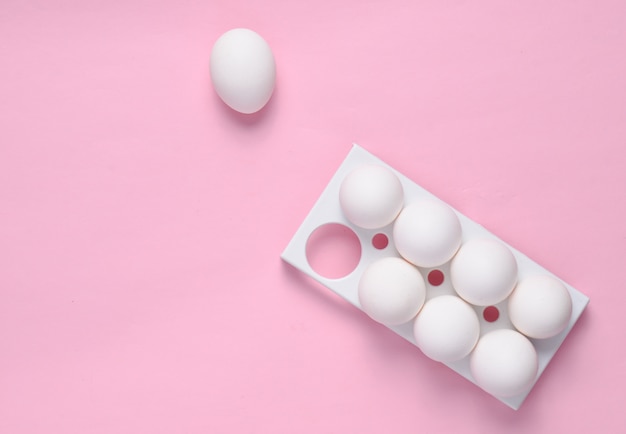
141	221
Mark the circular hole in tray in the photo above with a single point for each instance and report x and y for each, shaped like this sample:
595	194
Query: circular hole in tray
333	250
435	277
380	241
491	314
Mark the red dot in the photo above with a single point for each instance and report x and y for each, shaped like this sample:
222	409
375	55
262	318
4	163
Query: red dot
435	277
380	241
491	314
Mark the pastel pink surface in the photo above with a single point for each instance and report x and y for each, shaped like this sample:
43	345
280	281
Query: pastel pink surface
142	220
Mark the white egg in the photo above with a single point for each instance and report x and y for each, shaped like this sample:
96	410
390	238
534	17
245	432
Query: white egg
371	196
243	70
446	329
483	272
391	291
540	306
427	233
504	363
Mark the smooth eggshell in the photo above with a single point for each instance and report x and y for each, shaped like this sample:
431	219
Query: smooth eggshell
540	306
483	272
243	70
371	196
391	291
446	329
427	233
504	363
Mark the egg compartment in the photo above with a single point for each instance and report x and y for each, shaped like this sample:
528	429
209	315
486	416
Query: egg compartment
377	244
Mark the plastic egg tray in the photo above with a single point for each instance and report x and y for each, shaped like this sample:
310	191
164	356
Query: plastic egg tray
327	210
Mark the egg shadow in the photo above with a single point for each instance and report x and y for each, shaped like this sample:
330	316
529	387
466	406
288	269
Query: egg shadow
252	120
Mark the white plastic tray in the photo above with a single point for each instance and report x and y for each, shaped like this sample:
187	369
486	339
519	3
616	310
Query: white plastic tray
327	210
